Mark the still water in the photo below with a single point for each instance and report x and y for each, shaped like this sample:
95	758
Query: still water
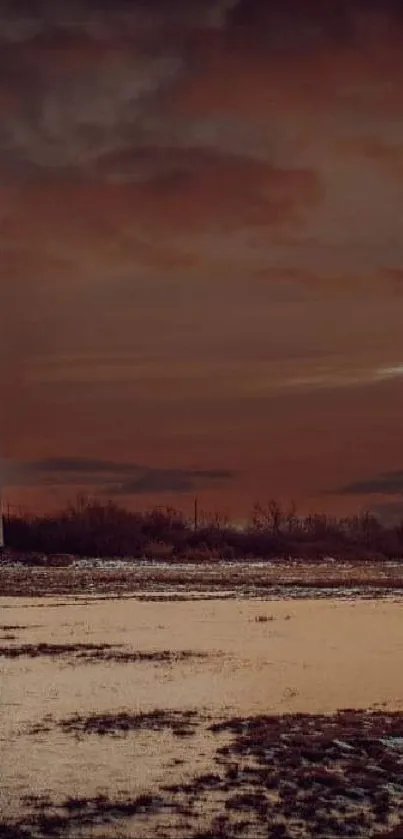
242	657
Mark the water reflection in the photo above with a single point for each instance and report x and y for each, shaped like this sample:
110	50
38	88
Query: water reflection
244	657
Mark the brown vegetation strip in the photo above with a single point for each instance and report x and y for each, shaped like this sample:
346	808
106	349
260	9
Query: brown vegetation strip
98	652
181	723
266	580
51	650
6	627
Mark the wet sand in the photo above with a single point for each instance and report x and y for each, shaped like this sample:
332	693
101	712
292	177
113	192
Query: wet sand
122	717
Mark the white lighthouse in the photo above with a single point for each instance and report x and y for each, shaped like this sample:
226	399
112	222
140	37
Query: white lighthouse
1	523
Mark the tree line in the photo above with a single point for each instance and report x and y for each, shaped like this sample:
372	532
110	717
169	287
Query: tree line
94	529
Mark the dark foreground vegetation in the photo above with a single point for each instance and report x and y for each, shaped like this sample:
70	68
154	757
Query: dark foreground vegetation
91	529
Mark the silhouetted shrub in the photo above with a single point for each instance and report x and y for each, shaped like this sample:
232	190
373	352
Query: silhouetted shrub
158	550
92	529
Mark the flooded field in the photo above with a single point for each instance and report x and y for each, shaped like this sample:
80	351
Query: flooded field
179	714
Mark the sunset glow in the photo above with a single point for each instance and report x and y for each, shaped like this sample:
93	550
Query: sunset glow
201	252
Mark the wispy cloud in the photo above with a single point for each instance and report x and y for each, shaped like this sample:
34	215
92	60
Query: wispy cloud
344	377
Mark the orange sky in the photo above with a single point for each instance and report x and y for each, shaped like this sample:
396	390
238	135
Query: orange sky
201	261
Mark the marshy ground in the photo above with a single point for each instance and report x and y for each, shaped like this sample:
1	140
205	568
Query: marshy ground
172	712
294	775
176	581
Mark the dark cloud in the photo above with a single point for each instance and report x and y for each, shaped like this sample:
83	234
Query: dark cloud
98	19
80	466
28	18
389	483
82	80
85	82
170	480
119	478
309	21
64	119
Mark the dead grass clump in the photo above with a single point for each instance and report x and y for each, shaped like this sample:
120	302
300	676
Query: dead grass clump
93	653
51	650
181	723
256	801
13	627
